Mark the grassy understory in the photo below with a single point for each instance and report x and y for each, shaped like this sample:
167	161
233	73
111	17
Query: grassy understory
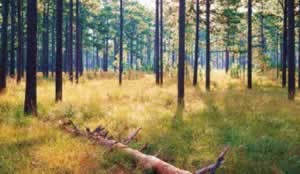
261	126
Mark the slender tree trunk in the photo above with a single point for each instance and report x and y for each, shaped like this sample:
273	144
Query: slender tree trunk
195	80
277	56
250	44
208	45
77	42
70	40
66	54
291	49
12	46
3	60
59	56
284	55
161	43
156	50
30	106
121	43
45	52
299	49
52	64
181	53
20	56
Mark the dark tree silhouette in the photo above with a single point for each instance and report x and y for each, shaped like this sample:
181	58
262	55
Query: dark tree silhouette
196	44
299	51
250	44
59	26
30	106
284	51
3	60
121	43
12	39
161	43
45	53
77	42
156	49
70	41
20	41
181	53
291	48
208	45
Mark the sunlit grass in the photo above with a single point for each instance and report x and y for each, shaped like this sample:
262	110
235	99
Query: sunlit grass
261	125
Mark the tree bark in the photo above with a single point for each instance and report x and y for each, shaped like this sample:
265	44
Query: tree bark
3	60
284	55
156	50
249	44
291	49
161	43
207	45
30	106
77	42
12	40
195	80
45	52
70	41
59	56
121	43
181	53
20	56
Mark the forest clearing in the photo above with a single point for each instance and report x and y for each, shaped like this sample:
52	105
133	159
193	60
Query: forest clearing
149	87
262	136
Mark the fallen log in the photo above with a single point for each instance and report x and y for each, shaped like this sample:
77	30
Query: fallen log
99	136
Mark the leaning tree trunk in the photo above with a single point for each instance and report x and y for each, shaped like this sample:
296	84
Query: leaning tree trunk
3	60
249	44
59	56
291	49
30	106
181	53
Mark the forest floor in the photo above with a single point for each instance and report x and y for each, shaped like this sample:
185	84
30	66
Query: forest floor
261	126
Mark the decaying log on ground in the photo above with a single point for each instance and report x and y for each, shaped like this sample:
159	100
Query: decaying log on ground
100	136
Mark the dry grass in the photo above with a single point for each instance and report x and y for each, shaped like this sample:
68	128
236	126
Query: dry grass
261	125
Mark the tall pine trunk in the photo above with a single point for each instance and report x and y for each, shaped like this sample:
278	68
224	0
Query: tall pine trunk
284	55
59	56
250	44
30	106
161	43
77	42
12	40
20	56
291	49
121	43
70	41
3	60
156	49
181	53
299	50
195	80
208	45
45	40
